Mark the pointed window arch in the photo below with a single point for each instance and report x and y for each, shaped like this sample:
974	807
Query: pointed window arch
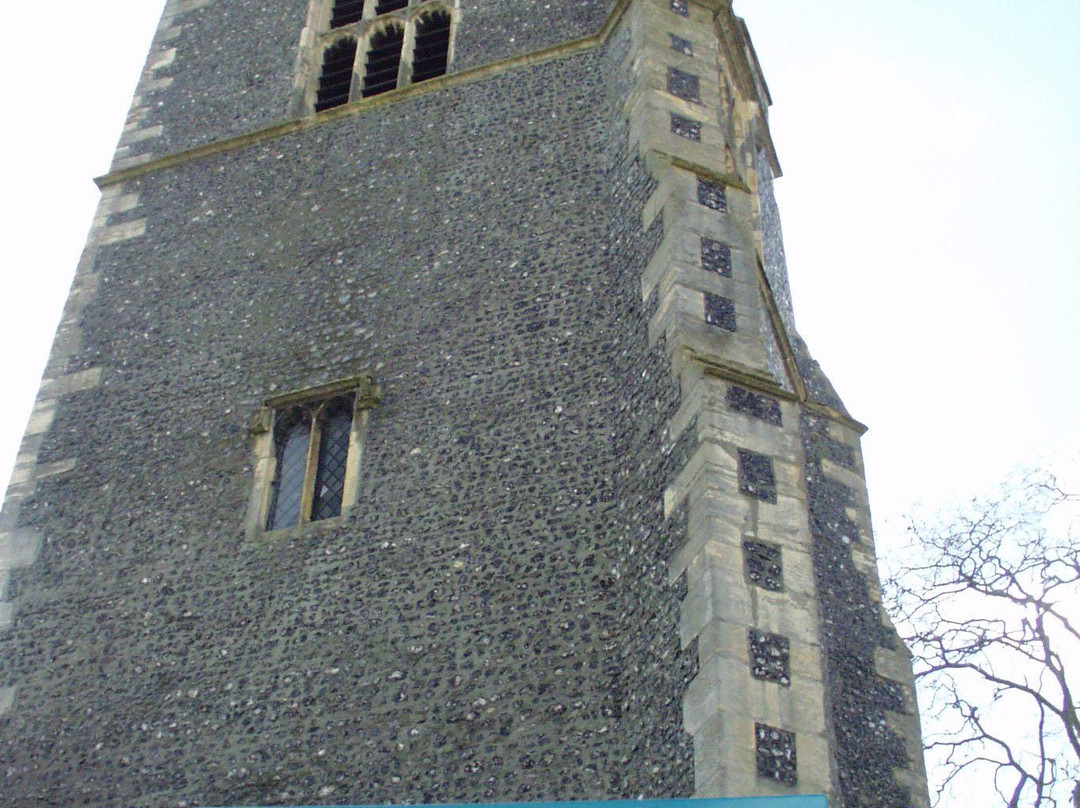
383	60
432	48
335	81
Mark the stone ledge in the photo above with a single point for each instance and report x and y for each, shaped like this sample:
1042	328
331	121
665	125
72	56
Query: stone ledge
130	162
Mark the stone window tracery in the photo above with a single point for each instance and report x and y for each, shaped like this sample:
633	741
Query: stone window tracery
368	47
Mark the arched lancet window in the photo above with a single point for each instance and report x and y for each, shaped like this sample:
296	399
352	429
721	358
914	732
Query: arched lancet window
336	77
386	6
403	42
432	46
346	12
383	60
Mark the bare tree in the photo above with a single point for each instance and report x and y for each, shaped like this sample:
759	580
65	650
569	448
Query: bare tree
988	600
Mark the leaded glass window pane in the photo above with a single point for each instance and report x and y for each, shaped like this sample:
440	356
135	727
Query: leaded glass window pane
333	454
291	466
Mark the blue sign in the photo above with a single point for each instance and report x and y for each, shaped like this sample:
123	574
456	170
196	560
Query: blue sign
793	801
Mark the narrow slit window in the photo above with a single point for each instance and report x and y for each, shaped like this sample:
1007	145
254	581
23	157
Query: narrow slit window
336	78
432	46
346	12
383	60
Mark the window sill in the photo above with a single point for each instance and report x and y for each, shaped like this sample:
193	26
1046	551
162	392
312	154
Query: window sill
298	531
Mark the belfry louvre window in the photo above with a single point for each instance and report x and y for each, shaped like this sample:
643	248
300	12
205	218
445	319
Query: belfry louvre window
369	47
383	61
336	77
309	455
432	46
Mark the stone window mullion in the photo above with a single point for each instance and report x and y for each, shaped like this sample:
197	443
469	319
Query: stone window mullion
360	416
408	47
357	82
311	469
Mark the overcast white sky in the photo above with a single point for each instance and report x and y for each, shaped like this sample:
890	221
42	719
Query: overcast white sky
931	206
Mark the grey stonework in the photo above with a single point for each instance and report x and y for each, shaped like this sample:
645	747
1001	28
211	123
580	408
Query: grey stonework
469	632
776	754
683	85
711	194
517	606
685	127
868	749
770	657
764	565
715	257
764	408
720	312
756	476
680	45
235	64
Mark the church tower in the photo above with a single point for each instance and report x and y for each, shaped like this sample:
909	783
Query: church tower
428	423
